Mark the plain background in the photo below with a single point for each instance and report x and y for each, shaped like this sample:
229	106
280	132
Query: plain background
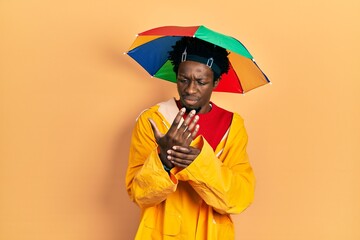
69	98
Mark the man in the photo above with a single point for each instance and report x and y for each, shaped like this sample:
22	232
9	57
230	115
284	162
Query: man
188	167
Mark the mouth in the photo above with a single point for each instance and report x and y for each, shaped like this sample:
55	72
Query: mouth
189	100
190	103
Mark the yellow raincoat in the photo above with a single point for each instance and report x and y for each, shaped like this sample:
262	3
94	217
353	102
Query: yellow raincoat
194	202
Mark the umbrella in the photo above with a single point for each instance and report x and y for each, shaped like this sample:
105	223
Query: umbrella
150	49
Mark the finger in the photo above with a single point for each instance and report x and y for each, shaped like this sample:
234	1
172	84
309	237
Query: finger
193	123
182	165
183	153
176	150
191	151
188	138
177	120
185	125
191	135
195	132
180	162
155	129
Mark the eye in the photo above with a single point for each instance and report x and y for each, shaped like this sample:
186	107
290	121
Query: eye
201	82
182	80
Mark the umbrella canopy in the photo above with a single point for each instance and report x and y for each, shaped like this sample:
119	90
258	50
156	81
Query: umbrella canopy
150	49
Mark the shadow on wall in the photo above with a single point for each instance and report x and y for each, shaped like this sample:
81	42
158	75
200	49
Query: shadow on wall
123	214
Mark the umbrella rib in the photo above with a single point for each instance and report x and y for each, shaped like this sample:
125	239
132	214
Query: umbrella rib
267	79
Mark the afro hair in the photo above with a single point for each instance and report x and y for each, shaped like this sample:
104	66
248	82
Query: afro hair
195	46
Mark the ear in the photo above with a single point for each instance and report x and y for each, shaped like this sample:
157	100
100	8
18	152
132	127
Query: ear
216	82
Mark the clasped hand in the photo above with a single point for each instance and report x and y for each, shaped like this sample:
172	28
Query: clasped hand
174	146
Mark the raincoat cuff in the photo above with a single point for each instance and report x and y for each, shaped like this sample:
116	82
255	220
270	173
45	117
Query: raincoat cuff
203	164
158	166
197	167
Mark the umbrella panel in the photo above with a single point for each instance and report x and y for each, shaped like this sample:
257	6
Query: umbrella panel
140	40
248	73
224	41
229	83
166	72
171	31
150	57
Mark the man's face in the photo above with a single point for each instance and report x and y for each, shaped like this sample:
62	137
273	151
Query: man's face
195	83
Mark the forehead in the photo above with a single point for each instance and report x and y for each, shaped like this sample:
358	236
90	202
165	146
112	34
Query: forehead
192	67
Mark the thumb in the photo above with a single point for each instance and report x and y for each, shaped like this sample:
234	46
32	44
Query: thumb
155	129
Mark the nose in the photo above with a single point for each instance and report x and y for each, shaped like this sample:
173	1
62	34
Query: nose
191	87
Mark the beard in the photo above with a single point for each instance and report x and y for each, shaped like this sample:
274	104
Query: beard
180	104
189	109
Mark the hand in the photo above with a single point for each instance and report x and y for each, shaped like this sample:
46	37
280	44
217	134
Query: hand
178	134
182	156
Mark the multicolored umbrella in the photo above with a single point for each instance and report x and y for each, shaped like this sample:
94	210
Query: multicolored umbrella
150	49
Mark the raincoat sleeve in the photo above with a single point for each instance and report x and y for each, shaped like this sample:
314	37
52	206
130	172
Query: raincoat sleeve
147	182
225	183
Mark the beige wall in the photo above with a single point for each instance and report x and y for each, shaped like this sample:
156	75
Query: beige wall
69	98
